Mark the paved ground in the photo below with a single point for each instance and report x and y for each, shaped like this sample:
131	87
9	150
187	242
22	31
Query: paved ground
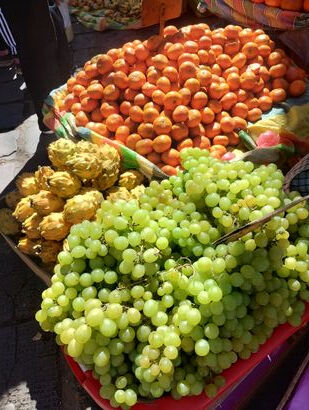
33	375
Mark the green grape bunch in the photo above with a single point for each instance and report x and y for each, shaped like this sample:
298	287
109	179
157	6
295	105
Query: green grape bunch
143	298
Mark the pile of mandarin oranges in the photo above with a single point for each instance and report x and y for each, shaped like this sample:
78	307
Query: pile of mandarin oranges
191	87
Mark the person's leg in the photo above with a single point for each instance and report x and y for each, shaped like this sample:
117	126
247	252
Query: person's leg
37	46
7	35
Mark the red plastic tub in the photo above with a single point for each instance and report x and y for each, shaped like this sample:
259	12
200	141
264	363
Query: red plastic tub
233	375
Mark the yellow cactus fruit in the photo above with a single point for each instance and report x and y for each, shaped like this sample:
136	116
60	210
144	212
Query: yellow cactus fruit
24	209
49	250
86	146
116	192
46	202
131	179
42	175
30	227
64	184
53	227
137	191
27	184
28	246
60	151
85	165
79	208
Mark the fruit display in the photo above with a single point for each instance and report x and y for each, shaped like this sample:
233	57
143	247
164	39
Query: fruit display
118	10
292	5
144	298
50	200
193	87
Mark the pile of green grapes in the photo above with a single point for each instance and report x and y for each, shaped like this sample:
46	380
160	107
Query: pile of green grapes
143	298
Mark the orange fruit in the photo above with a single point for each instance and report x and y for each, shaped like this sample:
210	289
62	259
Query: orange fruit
169	170
188	57
136	114
164	84
201	142
216	69
217	91
260	84
185	95
227	124
192	84
199	100
114	121
280	83
264	50
102	130
171	157
153	75
141	52
96	115
204	42
240	123
144	146
196	31
145	130
129	55
246	35
122	133
132	125
162	143
104	64
95	91
194	118
221	140
130	94
251	102
254	114
224	61
121	80
208	115
140	100
121	65
190	47
228	100
91	70
111	93
233	138
132	140
248	80
113	53
211	57
218	38
228	71
187	70
240	110
232	47
158	97
265	103
203	56
69	100
154	157
278	70
180	113
215	106
250	50
297	88
81	119
153	42
162	125
159	61
171	100
179	131
78	89
295	73
278	95
212	130
76	107
148	89
171	73
264	73
89	104
70	83
125	107
150	114
239	60
169	30
274	58
186	143
175	51
233	81
232	32
82	79
204	77
136	80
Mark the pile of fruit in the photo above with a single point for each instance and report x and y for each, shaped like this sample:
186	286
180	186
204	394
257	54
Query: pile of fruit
50	200
143	298
118	10
191	88
292	5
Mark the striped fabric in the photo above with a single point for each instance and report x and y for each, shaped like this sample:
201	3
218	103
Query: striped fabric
255	15
6	34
